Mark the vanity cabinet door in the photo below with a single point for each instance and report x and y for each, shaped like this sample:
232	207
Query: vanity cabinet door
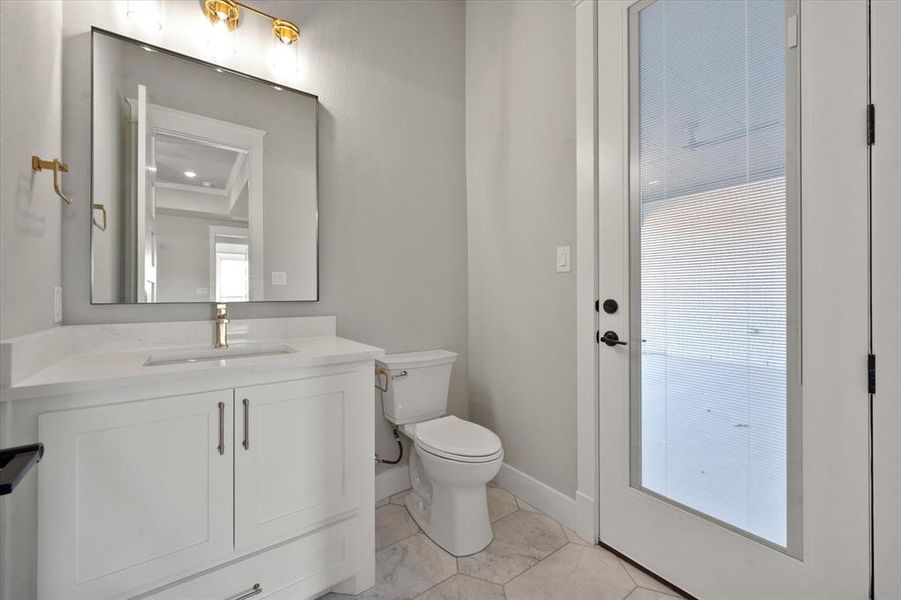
299	459
133	494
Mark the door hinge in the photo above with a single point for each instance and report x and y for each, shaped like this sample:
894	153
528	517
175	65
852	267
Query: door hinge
871	373
871	124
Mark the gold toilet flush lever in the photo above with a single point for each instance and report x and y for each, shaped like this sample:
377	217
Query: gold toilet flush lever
57	166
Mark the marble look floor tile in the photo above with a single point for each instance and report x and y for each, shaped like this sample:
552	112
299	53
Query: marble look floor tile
573	538
500	503
520	540
399	498
645	594
463	587
409	568
644	580
381	502
392	524
575	572
523	505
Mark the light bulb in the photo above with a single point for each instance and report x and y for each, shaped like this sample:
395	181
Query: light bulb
145	13
283	56
221	41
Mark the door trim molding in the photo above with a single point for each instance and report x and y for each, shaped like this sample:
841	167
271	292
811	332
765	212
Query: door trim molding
586	518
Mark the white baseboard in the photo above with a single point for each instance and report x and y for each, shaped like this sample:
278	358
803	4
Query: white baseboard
391	481
543	497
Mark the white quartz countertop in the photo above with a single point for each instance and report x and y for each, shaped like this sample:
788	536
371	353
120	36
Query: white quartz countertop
111	368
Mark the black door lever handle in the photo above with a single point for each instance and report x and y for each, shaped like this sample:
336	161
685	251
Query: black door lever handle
611	339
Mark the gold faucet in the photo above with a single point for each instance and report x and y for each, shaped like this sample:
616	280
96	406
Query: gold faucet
221	340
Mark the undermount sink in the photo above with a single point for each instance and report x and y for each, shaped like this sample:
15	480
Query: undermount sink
206	353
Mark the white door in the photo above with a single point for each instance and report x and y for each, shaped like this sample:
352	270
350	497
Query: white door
146	209
297	461
732	235
133	494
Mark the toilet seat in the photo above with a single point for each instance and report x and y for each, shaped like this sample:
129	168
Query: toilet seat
457	440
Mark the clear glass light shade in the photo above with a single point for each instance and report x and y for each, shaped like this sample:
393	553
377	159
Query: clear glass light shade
221	41
283	57
145	13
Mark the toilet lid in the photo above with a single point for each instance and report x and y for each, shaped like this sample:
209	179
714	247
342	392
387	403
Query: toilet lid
456	437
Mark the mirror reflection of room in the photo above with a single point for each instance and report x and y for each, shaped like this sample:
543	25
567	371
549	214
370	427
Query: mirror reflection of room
210	199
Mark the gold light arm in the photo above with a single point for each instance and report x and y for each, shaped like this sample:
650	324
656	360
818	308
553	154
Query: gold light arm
38	165
286	31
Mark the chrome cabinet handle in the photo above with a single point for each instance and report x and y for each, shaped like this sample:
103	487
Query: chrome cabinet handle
222	428
399	375
256	589
246	443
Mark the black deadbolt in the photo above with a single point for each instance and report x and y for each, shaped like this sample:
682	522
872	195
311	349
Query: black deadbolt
610	306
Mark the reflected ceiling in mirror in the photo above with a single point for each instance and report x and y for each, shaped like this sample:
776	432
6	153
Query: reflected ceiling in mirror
208	178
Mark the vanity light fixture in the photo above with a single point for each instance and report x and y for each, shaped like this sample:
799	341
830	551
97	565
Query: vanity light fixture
225	15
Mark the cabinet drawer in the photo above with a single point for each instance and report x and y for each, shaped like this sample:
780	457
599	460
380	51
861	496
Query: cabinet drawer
307	566
298	455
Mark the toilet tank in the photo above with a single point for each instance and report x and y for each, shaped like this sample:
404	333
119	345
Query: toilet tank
417	384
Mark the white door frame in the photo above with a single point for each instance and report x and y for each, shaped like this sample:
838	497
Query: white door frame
823	53
886	155
586	518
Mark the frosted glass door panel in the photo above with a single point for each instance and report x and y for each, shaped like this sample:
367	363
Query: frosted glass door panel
710	298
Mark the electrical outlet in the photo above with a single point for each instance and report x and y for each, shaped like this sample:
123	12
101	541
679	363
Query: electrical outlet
57	304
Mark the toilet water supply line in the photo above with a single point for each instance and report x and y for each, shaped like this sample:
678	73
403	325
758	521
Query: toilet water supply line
400	447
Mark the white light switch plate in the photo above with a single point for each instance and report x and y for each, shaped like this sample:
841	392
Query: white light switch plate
57	304
563	259
279	278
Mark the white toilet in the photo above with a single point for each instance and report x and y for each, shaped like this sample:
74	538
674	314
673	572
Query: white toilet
452	459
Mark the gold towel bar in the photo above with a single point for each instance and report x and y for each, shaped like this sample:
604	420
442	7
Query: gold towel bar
56	165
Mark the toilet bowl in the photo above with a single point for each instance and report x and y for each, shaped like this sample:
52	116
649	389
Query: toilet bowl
451	460
448	499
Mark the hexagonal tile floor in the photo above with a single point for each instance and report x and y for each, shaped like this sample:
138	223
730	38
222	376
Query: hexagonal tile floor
532	557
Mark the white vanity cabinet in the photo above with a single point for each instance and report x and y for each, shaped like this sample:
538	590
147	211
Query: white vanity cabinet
213	478
136	494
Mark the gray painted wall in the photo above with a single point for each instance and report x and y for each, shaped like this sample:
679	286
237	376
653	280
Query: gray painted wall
394	194
520	159
390	79
29	124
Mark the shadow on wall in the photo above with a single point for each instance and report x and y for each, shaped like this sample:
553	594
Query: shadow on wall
30	219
